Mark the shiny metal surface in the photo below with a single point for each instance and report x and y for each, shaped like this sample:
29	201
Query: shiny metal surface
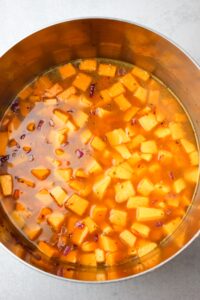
114	39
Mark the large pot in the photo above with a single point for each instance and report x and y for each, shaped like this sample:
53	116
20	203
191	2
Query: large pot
119	40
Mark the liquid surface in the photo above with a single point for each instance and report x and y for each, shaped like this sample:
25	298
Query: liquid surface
98	162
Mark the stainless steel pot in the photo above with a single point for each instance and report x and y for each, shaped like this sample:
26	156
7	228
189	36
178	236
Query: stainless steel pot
119	40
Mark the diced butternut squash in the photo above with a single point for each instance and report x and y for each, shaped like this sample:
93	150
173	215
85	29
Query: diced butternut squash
59	195
194	158
77	204
171	226
146	248
88	259
108	244
93	167
141	94
79	235
6	183
80	173
106	229
122	102
118	217
88	246
130	113
85	101
121	171
56	219
33	231
117	137
98	213
137	201
86	135
41	173
107	70
162	132
140	229
100	186
148	122
123	151
123	190
88	65
100	255
4	142
48	250
18	218
113	259
67	70
144	214
64	174
187	145
71	257
176	130
61	115
45	211
145	187
149	147
192	175
91	225
98	144
44	197
134	159
161	188
82	81
64	96
129	82
52	101
127	238
136	141
179	185
146	156
153	96
116	89
80	118
140	73
80	186
102	113
53	90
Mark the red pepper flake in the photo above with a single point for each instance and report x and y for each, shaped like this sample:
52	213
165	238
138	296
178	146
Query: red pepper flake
168	211
67	250
51	123
134	122
16	194
96	237
121	71
40	124
171	175
4	159
92	90
79	153
67	163
158	224
15	106
70	111
154	201
22	137
79	225
92	112
60	271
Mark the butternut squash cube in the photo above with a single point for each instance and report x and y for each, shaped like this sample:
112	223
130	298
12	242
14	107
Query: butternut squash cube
44	197
102	113
48	250
122	102
88	65
146	248
121	171
161	188
45	211
80	173
71	128
179	185
88	259
130	113
108	244
149	147
137	201
56	219
140	73
123	190
4	142
71	222
117	137
33	231
88	246
153	96
81	187
107	70
85	101
176	130
18	218
82	81
136	141
146	156
80	118
98	213
6	183
145	187
148	122
59	195
191	175
118	217
106	229
144	214
129	82
100	186
171	226
187	145
140	229
91	225
141	94
127	238
123	151
194	158
79	235
41	173
71	257
61	115
162	132
105	95
113	259
65	174
93	167
100	255
98	144
86	135
116	89
64	96
134	159
67	70
77	204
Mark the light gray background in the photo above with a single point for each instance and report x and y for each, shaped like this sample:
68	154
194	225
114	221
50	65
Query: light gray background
177	19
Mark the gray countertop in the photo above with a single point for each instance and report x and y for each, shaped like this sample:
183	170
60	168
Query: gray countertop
177	19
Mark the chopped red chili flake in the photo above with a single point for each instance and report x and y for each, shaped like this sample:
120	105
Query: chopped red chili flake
79	153
16	194
121	71
22	137
171	175
134	121
40	124
158	223
51	123
60	271
67	250
92	89
168	211
79	225
3	159
15	106
96	238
